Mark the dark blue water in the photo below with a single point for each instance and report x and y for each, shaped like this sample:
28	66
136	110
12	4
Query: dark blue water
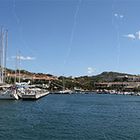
71	117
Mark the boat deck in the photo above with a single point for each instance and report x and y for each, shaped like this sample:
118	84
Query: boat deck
34	96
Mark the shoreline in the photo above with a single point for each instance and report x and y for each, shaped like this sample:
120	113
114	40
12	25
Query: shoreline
100	92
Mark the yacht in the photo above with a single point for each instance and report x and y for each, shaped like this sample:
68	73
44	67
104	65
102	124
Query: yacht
26	91
6	91
66	91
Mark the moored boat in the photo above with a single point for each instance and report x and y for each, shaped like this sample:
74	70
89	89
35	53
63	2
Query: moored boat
6	90
8	93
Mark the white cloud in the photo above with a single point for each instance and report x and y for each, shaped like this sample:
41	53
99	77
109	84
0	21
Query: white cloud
121	16
138	35
116	15
23	57
131	36
90	70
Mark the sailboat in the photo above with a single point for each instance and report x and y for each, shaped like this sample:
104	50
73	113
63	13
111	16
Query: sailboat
25	90
64	90
6	91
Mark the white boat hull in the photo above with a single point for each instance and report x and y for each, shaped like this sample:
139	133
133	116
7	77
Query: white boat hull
9	95
65	91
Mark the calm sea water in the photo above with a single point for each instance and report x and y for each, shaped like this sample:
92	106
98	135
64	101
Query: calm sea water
71	117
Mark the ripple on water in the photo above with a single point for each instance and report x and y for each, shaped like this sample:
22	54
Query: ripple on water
80	117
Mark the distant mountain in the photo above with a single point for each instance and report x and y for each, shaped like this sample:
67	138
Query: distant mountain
109	76
104	76
84	82
88	82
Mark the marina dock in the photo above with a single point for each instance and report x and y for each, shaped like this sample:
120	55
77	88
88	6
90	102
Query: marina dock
34	96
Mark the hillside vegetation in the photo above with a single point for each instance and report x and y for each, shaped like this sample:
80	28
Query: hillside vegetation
82	82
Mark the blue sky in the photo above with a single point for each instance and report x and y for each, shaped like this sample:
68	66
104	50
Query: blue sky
73	37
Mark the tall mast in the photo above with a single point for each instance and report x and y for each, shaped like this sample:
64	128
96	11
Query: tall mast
3	49
15	69
5	53
1	55
63	80
19	67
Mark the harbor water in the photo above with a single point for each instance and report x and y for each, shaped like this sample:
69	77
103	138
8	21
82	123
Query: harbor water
71	117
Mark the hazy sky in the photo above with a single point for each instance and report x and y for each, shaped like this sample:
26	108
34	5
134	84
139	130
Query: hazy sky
73	37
